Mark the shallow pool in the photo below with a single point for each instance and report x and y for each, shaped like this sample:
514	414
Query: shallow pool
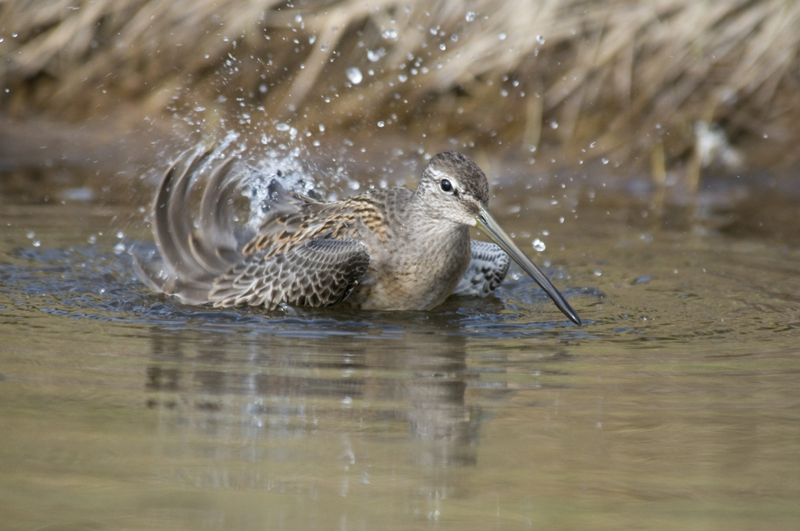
675	406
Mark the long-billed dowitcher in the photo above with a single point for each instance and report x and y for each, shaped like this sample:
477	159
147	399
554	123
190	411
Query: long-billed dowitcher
386	249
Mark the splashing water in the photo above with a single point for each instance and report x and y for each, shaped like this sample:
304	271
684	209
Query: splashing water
354	75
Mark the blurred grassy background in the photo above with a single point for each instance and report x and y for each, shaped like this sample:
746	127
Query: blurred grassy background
654	85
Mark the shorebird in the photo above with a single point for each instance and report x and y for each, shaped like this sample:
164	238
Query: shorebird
386	249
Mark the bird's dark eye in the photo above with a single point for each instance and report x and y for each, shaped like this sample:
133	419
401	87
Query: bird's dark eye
446	186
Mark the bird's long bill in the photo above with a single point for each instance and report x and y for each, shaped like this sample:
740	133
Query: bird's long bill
498	235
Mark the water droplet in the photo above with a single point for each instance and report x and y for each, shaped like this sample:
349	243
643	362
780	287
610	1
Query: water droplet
354	75
298	19
119	248
389	34
36	243
597	272
282	127
375	55
92	239
262	88
454	37
442	47
540	39
381	123
604	160
31	235
264	138
403	78
470	16
553	124
312	39
502	36
538	245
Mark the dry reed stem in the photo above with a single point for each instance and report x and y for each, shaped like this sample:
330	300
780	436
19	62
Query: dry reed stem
620	75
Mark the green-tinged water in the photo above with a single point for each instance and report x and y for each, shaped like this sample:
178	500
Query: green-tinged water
675	406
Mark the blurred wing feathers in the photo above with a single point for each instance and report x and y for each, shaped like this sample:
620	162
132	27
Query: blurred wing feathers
188	260
304	254
214	244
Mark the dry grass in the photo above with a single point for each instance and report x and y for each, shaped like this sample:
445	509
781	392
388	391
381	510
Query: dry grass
621	78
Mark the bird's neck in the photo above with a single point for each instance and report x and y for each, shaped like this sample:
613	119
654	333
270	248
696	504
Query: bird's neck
428	256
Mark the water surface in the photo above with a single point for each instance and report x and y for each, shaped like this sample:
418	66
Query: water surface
676	405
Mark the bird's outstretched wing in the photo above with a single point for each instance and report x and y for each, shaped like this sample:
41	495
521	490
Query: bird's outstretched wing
189	258
318	272
486	270
299	259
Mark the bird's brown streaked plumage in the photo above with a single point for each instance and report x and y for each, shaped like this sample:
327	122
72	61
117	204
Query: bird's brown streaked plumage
387	249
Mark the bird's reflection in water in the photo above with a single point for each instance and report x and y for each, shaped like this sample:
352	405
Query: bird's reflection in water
276	394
